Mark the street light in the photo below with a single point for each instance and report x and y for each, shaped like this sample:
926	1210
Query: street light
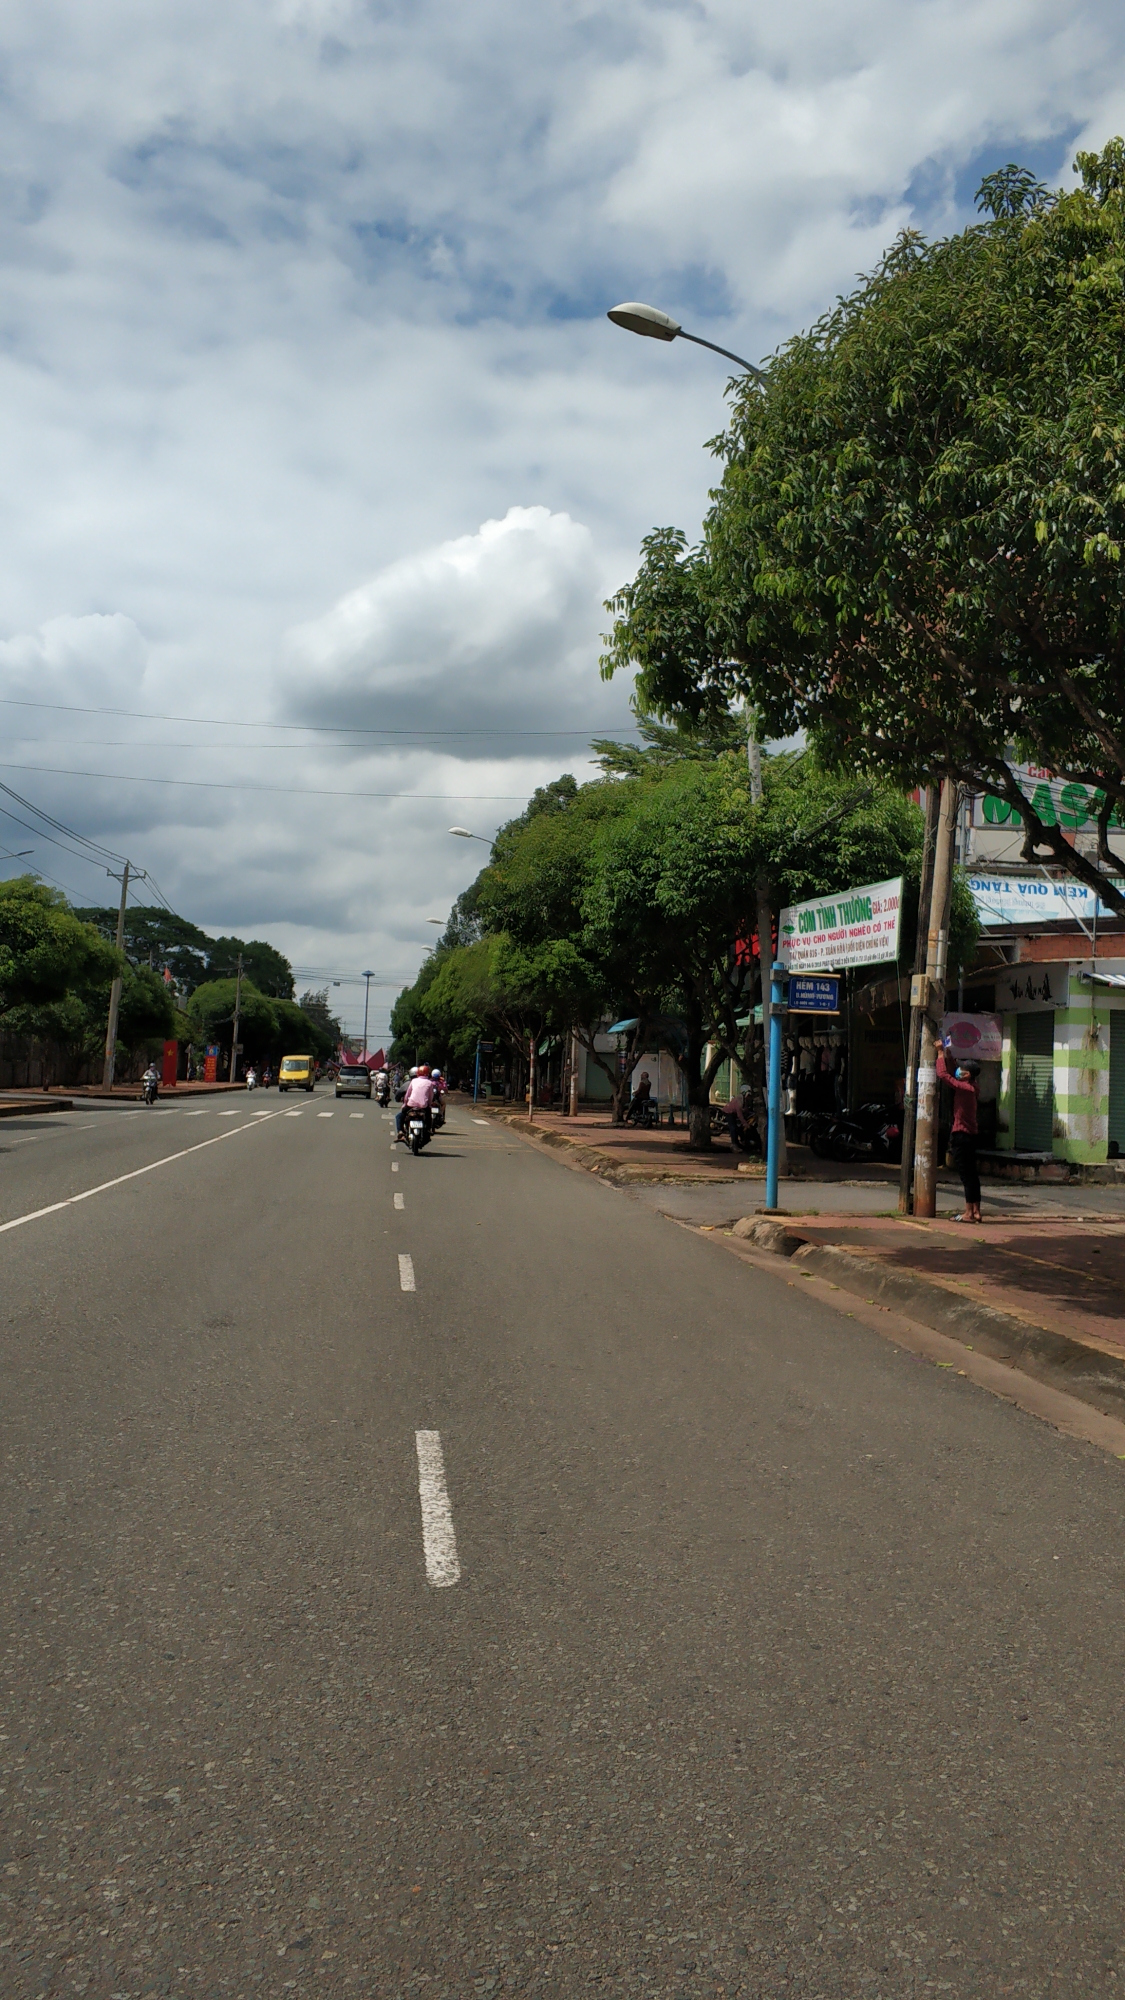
657	325
369	976
463	833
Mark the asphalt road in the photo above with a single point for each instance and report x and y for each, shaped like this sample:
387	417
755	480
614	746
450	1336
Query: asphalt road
760	1658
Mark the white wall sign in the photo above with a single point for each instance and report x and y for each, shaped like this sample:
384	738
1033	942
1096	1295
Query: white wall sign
1031	899
829	933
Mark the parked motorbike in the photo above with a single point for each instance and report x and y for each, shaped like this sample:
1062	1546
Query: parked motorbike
871	1133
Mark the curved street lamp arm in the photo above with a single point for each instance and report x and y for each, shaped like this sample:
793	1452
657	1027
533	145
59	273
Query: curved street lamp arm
758	373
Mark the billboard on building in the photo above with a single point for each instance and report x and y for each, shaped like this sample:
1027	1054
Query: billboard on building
829	933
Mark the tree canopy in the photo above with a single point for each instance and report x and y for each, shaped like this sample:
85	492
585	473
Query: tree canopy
46	952
915	552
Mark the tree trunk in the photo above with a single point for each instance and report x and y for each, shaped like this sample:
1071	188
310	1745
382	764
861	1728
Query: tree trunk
699	1121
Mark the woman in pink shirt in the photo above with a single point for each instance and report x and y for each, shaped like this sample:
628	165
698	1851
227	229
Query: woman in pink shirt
962	1081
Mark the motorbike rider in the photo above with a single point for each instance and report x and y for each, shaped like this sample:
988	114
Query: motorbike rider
251	1078
382	1087
439	1096
149	1083
419	1097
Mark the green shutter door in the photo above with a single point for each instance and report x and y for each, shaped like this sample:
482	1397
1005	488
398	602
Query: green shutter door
1035	1082
1117	1077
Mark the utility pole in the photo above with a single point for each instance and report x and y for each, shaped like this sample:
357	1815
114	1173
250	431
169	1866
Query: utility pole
573	1075
764	915
910	1100
115	990
929	993
531	1040
237	1012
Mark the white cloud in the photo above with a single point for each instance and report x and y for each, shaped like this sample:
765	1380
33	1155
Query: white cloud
491	631
99	658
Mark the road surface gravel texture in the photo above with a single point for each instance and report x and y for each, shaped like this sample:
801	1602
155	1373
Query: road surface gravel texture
758	1658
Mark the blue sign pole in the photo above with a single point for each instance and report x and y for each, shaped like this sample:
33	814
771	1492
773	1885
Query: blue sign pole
773	1101
476	1076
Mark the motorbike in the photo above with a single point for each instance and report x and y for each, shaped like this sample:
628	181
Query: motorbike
871	1133
251	1079
419	1130
150	1090
382	1094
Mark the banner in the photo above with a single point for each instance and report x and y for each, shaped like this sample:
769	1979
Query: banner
1031	899
829	933
980	1036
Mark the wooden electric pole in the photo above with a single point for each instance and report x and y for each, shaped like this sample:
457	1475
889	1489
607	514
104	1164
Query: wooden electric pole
932	998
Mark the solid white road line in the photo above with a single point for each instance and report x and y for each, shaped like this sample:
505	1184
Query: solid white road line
35	1214
406	1274
439	1543
400	1201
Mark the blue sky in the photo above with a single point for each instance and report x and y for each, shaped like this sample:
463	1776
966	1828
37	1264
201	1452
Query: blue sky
312	413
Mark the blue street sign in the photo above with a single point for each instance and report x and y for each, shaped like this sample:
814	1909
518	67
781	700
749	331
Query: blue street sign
810	994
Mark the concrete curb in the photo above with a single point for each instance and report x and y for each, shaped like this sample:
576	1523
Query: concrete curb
1092	1373
33	1110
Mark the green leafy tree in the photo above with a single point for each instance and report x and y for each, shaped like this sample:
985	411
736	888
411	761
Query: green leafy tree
300	1032
267	970
157	938
314	1005
916	550
46	952
211	1011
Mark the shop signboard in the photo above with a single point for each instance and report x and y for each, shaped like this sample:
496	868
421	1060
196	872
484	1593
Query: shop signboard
1033	899
979	1037
808	995
1058	801
829	933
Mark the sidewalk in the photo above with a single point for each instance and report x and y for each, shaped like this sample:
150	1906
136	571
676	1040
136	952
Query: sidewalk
628	1154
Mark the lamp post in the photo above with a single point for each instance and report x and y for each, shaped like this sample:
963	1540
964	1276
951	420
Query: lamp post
656	325
369	976
463	833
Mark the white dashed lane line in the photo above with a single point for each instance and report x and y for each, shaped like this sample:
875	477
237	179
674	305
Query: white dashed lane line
480	1121
439	1543
406	1274
394	1166
400	1201
355	1114
324	1114
228	1114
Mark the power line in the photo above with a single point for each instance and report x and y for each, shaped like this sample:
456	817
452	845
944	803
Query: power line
290	791
306	728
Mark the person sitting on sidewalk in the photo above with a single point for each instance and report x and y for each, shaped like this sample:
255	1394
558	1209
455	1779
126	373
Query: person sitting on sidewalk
962	1082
